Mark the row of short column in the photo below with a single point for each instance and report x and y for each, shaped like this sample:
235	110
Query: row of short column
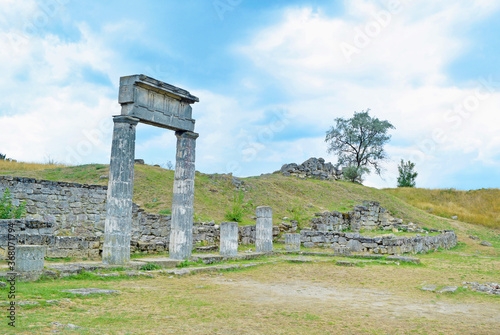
263	235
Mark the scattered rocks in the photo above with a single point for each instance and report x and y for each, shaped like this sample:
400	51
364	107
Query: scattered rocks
486	243
431	288
444	289
454	217
3	284
103	275
489	288
237	183
298	260
89	291
69	325
345	263
474	237
128	274
138	273
448	289
104	176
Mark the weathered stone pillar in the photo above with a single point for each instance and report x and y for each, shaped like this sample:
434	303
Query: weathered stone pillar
292	242
29	261
264	229
116	249
228	239
181	233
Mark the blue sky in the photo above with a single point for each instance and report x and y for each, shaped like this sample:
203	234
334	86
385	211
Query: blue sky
271	77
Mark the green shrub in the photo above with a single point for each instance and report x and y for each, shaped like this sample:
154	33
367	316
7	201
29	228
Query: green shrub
183	264
354	174
239	208
8	210
150	267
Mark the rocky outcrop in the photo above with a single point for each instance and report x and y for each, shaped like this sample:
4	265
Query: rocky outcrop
314	168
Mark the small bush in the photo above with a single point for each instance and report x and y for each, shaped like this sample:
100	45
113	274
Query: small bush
2	157
354	174
10	211
238	209
150	267
183	264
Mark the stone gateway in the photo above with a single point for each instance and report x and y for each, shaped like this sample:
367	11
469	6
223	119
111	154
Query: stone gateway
147	100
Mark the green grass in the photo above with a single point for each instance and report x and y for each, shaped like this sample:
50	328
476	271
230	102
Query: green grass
214	194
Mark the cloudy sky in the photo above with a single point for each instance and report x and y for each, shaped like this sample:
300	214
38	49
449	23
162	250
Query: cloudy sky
271	77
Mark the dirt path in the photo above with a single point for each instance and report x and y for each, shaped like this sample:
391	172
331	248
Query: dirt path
362	301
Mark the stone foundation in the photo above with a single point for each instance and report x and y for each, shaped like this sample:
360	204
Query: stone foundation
390	244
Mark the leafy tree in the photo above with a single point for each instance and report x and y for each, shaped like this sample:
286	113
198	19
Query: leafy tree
2	157
406	174
9	210
359	142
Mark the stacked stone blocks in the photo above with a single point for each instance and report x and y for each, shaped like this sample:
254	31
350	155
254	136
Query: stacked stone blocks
391	244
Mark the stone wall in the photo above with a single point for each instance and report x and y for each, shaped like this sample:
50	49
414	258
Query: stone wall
77	209
69	219
315	168
74	209
151	239
35	232
389	244
369	216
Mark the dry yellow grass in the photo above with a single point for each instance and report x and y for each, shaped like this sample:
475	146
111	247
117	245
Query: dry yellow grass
475	206
8	166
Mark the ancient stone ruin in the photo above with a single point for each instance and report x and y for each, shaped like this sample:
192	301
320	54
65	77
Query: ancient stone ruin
147	100
69	219
369	216
314	168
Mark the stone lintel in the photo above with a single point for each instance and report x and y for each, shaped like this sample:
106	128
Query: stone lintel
156	103
153	85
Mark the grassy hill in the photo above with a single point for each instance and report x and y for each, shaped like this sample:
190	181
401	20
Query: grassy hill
474	206
214	194
296	199
288	196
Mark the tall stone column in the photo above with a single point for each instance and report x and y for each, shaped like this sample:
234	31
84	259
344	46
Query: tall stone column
116	249
181	229
264	229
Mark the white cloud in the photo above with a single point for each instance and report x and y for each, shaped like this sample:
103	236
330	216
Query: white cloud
47	110
398	70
